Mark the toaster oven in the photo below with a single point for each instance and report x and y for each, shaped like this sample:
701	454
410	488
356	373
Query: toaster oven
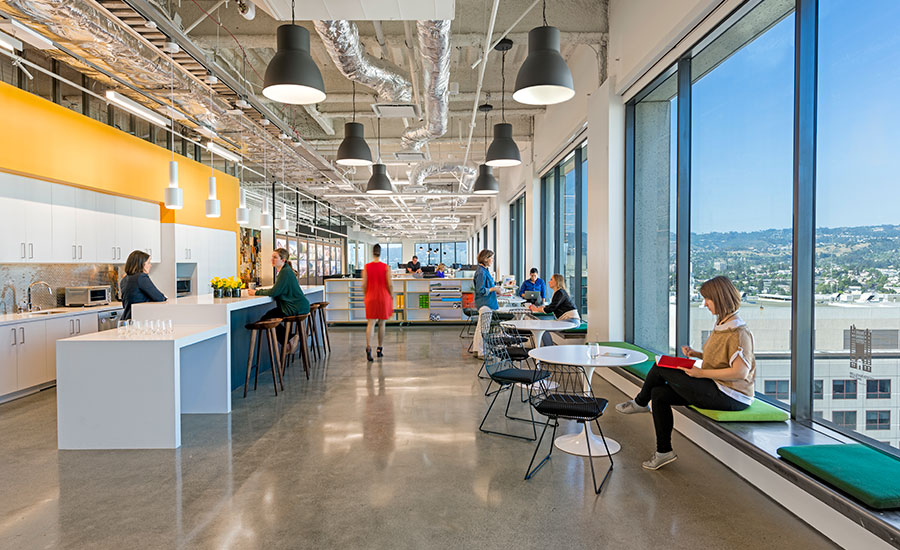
87	295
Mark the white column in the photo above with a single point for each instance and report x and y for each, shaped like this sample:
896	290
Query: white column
606	214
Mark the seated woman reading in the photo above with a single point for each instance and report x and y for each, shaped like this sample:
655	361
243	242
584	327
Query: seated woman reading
561	306
725	381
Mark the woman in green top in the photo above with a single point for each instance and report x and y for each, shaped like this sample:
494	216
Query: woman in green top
288	295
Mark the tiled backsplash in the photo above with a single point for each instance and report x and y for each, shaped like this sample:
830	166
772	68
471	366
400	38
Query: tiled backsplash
59	276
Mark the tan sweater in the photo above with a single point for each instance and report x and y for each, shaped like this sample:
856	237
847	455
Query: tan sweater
731	339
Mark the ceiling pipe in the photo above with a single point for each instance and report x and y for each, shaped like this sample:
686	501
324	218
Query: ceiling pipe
434	49
502	36
486	51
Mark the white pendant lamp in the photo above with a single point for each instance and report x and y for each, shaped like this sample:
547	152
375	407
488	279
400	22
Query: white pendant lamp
265	219
213	206
174	198
282	224
242	213
544	77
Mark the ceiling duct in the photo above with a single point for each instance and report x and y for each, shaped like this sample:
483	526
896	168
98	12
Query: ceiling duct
434	48
424	169
341	40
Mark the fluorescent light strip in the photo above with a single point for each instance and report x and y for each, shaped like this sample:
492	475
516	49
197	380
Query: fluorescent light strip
41	39
408	196
9	43
137	109
217	149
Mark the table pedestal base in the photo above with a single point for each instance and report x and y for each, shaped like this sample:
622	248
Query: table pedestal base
574	444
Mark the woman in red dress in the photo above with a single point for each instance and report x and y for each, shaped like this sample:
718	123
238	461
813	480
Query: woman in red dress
379	299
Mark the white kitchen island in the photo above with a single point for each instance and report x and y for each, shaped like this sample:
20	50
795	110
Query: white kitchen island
235	313
129	392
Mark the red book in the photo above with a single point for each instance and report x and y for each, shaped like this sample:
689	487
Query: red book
675	362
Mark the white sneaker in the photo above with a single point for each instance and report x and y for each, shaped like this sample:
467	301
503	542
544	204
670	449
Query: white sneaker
658	460
631	407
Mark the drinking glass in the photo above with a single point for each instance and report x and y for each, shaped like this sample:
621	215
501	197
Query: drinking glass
137	328
121	327
594	350
169	327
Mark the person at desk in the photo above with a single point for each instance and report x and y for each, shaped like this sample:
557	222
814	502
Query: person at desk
414	266
533	284
724	383
561	306
485	295
288	296
439	271
136	287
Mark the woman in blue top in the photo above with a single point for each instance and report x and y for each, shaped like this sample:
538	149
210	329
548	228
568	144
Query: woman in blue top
485	295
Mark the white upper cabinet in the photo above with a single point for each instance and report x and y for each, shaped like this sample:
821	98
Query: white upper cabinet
25	207
105	224
145	228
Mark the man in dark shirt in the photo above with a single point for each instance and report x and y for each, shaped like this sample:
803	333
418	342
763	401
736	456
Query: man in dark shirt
413	266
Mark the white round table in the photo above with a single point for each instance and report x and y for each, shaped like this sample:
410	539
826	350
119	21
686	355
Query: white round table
538	327
513	300
579	355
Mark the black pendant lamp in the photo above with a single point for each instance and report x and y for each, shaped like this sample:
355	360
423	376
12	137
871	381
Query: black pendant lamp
292	76
485	183
544	78
354	151
379	183
503	150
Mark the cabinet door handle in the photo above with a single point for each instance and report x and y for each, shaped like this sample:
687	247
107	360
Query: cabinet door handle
74	252
14	337
22	334
114	253
23	250
119	252
31	250
80	256
78	324
71	327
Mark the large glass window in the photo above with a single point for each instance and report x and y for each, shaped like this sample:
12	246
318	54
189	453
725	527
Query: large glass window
654	217
857	255
564	231
741	209
517	238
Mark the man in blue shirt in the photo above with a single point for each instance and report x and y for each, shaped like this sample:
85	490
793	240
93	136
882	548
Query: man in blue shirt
533	284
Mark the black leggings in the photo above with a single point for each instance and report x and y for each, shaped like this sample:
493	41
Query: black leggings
666	387
276	313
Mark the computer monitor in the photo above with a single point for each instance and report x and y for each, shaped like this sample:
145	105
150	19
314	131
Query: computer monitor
401	265
427	269
533	297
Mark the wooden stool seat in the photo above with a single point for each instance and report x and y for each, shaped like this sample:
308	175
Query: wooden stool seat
313	329
294	324
322	325
267	327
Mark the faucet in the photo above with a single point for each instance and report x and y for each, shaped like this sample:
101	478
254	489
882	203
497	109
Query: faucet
9	286
49	290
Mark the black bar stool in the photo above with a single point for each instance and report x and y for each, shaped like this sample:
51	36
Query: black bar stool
322	323
312	331
294	325
258	328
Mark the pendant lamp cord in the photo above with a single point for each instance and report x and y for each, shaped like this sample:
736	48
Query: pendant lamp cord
292	12
379	140
503	86
545	12
172	112
354	100
485	136
212	159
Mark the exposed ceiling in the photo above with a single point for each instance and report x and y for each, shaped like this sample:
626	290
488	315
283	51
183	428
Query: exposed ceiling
226	41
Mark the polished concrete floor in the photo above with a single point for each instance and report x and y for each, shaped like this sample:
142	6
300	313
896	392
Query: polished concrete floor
385	455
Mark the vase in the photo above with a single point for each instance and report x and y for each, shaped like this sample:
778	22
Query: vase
228	293
235	293
217	293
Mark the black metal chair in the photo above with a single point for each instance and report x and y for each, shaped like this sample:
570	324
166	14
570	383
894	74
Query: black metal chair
501	371
468	329
570	398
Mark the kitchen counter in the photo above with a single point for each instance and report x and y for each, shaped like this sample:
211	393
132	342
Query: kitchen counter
18	318
117	392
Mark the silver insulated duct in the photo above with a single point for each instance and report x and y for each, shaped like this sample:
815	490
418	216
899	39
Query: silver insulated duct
341	40
422	170
434	47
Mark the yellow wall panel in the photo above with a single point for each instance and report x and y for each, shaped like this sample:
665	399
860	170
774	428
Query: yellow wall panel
41	139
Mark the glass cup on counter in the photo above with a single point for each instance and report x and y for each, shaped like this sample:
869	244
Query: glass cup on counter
169	327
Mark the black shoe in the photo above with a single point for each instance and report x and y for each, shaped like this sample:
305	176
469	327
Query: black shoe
378	351
369	354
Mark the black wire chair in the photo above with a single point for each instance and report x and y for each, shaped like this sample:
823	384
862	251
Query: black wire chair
570	398
468	329
501	371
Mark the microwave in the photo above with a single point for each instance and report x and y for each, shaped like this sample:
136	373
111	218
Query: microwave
87	295
183	287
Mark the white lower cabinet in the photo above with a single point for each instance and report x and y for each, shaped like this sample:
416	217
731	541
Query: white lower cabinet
65	327
23	356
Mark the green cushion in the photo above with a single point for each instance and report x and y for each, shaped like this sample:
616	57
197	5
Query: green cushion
865	473
759	411
641	369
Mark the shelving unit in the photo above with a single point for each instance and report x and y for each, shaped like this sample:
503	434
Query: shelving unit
415	300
